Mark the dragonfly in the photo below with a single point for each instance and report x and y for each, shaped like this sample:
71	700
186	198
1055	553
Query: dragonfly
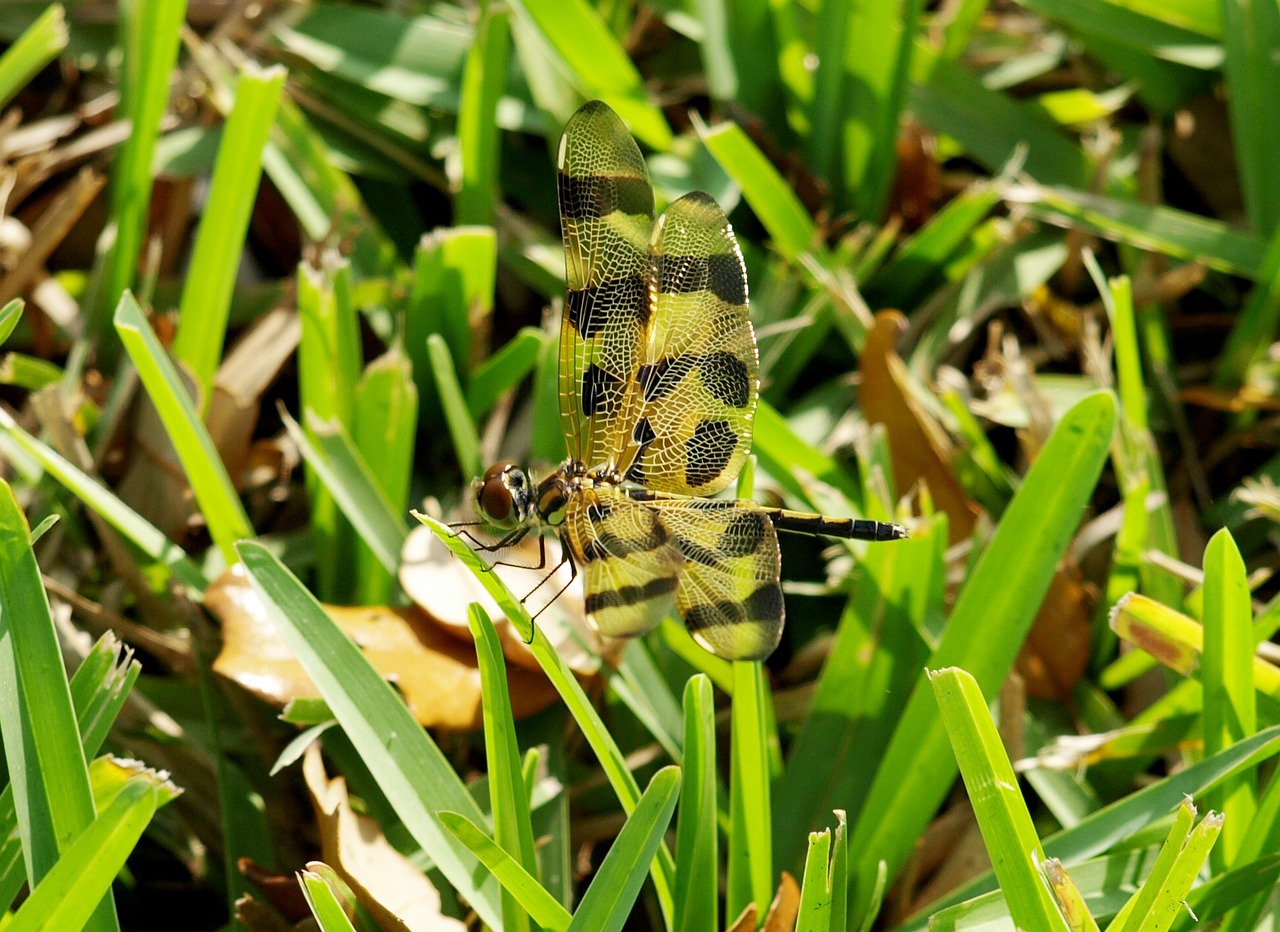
658	383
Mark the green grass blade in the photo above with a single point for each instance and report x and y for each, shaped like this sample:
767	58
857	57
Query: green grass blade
136	529
149	34
215	258
773	200
478	134
998	806
1136	912
750	852
410	769
697	833
541	906
65	898
1251	34
504	370
39	44
1226	673
612	894
990	619
10	314
815	892
324	905
508	799
1165	230
454	271
1255	328
597	64
213	489
462	429
642	688
326	448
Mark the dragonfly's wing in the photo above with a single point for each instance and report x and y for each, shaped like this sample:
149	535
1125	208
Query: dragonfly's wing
606	215
699	379
729	595
630	561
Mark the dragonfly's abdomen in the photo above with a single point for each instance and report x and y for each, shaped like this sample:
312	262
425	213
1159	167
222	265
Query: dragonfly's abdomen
798	522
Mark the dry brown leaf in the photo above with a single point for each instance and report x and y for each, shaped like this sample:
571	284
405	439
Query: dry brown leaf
1056	651
921	453
785	906
746	921
443	588
387	884
281	891
436	674
1235	400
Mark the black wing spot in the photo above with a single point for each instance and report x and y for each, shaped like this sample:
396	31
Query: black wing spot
726	377
726	278
591	308
698	553
659	379
600	389
709	615
744	535
765	603
708	452
719	273
631	595
590	197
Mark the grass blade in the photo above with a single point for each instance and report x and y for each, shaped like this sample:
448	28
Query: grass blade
39	44
478	133
1251	34
697	833
751	877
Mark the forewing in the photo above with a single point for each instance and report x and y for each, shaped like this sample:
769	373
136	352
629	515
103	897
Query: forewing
699	379
729	595
606	215
630	561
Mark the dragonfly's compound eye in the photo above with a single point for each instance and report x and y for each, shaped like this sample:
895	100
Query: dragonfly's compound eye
497	494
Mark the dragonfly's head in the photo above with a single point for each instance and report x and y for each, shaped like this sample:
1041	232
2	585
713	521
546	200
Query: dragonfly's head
503	497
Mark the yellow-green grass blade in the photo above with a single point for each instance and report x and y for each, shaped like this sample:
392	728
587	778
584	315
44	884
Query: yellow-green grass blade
991	617
409	767
462	429
1251	34
597	64
213	488
1255	327
505	368
815	892
324	905
697	894
136	529
478	133
1001	813
611	897
566	684
65	897
540	905
39	44
753	745
220	238
508	798
149	35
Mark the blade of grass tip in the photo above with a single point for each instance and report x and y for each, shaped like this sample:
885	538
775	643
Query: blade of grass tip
1255	328
149	34
815	894
697	831
136	529
385	420
10	314
508	798
324	906
1136	912
328	449
220	238
483	77
1001	812
610	898
1251	33
540	905
505	368
597	63
771	198
39	44
65	898
1226	673
42	741
213	488
566	684
454	271
991	618
409	767
462	429
838	878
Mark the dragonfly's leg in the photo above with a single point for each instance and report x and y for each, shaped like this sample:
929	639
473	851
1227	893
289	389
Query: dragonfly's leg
573	574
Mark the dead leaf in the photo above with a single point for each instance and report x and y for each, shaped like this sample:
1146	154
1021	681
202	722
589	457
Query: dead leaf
1056	651
281	891
1234	400
785	906
746	921
920	448
436	674
387	884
